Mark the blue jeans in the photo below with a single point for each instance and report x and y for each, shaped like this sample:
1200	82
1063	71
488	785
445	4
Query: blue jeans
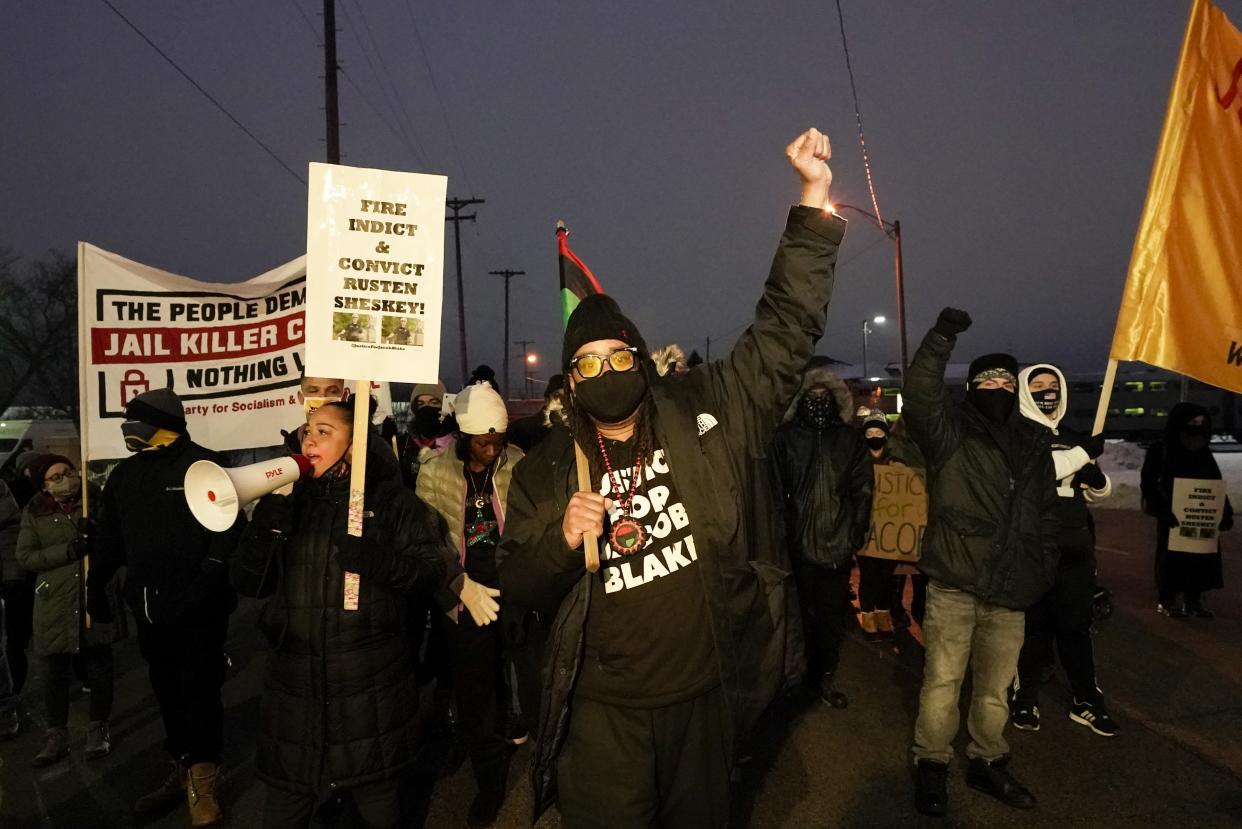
8	699
961	629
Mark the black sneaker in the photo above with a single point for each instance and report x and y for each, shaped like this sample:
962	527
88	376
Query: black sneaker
991	778
931	794
1025	717
1200	612
1173	611
1094	717
830	695
484	808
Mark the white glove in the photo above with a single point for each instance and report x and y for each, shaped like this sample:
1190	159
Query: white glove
480	600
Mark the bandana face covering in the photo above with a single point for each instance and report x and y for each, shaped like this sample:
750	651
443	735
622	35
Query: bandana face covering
427	421
994	404
816	410
141	437
1047	400
613	396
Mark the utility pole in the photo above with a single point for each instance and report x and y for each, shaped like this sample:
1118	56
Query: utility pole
709	350
456	206
507	275
330	107
527	391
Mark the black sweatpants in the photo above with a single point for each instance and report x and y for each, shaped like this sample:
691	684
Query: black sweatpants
823	593
19	628
97	663
875	583
638	768
526	642
477	656
377	804
186	667
1063	618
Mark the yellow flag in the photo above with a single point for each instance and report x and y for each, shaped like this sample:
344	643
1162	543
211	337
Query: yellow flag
1182	307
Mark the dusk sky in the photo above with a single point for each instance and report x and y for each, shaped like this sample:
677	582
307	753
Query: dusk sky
1012	140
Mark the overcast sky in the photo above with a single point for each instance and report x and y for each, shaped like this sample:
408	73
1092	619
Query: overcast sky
1012	140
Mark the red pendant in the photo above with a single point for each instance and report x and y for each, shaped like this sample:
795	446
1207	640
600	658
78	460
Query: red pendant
627	536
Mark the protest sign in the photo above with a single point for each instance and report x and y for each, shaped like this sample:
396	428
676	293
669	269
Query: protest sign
898	514
231	351
375	273
1199	506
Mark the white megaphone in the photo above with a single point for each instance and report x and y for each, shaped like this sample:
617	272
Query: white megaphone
215	493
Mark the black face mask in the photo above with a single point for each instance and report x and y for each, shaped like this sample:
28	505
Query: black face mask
1047	400
817	411
427	421
876	444
1193	438
994	404
613	396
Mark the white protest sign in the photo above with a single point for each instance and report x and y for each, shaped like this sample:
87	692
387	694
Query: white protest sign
231	351
1199	505
375	273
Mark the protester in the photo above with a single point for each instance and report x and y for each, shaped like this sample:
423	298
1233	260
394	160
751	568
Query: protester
10	525
52	546
467	483
875	575
824	479
1183	452
1063	617
990	551
427	430
176	584
338	707
18	583
528	431
650	690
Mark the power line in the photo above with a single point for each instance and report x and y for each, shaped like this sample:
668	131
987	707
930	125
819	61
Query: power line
205	93
387	122
858	116
461	162
309	24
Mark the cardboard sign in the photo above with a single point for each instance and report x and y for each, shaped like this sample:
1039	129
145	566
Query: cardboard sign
898	514
374	273
1199	506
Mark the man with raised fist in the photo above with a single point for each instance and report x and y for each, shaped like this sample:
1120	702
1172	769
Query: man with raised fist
990	552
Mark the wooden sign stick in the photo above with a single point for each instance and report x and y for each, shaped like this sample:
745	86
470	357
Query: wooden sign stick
590	543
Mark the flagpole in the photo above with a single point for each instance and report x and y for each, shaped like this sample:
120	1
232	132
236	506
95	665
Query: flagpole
83	442
1106	396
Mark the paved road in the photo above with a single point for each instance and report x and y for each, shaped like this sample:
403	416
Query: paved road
1176	686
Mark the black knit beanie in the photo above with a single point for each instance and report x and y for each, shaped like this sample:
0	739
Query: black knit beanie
160	408
598	317
992	365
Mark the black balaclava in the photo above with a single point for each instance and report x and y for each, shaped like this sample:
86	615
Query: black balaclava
614	395
994	404
1191	438
1046	400
817	411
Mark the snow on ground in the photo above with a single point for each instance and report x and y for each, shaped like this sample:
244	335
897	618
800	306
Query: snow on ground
1122	462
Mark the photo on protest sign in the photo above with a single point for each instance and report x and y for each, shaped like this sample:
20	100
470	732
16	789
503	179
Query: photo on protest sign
1199	506
231	351
375	273
401	331
353	328
898	514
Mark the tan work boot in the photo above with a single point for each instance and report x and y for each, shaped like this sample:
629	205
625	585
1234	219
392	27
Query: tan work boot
167	794
866	621
200	792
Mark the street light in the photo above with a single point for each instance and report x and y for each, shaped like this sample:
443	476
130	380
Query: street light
878	320
893	231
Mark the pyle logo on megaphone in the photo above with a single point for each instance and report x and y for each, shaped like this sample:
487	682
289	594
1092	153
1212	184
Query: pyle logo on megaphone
216	494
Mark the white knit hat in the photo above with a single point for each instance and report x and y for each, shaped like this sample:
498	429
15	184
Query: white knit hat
480	410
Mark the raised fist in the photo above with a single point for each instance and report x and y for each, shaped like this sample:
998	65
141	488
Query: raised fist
808	154
952	322
1094	446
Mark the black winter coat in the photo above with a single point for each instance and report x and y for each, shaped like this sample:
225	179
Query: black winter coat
715	425
992	509
824	478
176	572
339	698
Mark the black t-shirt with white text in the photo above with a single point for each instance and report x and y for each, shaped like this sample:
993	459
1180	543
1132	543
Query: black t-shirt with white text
648	635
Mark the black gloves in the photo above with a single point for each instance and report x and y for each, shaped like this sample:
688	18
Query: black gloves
1091	476
1094	446
951	322
1171	520
1226	523
81	546
360	555
273	513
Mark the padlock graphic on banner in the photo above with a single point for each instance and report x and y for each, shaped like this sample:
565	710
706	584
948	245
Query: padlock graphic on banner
133	384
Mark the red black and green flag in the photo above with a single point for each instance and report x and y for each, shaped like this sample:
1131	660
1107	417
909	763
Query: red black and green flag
577	281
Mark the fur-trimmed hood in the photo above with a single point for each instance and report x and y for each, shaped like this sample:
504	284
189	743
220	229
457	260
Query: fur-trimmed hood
820	376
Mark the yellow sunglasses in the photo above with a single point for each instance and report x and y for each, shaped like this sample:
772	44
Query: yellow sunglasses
592	365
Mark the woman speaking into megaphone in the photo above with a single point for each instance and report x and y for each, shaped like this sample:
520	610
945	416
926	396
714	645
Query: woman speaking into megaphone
337	712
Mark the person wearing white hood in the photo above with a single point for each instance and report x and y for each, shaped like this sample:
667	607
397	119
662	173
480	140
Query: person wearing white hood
1064	615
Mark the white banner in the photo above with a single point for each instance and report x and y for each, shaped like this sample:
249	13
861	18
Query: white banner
231	351
1199	505
375	273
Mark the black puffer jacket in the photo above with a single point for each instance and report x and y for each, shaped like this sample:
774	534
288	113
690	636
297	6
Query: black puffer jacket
715	424
992	515
824	478
339	697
